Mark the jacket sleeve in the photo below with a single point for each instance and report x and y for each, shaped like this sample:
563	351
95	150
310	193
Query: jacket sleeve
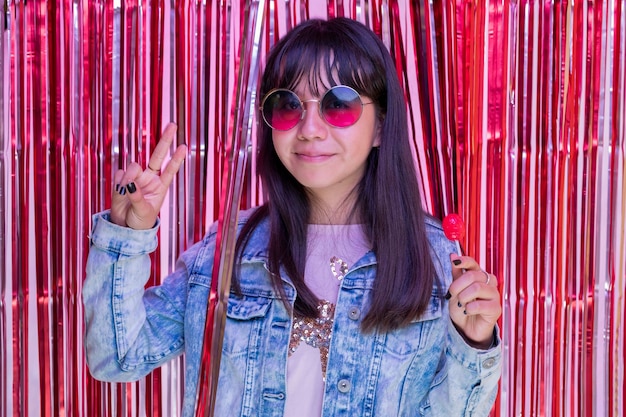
130	331
466	382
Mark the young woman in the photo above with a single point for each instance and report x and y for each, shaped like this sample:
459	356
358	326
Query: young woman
347	299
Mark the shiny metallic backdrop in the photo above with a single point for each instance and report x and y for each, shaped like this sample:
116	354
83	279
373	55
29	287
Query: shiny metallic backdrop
518	120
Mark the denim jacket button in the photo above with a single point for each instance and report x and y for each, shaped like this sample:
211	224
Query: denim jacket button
343	385
488	363
354	314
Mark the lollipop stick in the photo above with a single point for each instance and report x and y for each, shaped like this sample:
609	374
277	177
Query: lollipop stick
458	248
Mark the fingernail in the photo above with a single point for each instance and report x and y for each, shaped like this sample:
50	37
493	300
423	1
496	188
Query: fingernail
122	190
117	188
465	312
457	262
131	187
448	295
458	303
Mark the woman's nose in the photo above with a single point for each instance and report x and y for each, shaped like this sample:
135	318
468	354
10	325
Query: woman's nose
312	126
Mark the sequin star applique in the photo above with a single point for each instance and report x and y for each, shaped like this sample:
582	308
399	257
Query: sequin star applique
338	267
315	332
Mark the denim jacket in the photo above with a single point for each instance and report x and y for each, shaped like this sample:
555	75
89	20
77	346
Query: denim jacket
425	369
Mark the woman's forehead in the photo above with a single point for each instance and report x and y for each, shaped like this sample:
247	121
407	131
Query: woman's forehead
315	82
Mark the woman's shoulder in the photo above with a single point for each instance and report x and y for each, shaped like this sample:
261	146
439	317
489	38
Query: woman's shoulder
440	248
436	237
202	252
433	226
243	217
257	236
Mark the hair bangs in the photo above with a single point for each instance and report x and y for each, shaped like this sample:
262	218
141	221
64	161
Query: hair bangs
323	62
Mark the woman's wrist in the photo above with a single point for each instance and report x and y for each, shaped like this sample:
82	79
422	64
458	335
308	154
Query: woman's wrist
489	344
486	344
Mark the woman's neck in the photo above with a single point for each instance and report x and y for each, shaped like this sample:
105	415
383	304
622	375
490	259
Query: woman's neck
339	213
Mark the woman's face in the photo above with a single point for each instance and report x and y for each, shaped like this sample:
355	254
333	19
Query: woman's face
329	161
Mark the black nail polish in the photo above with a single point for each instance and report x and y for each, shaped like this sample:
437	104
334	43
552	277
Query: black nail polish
117	188
457	262
458	303
131	187
448	295
465	312
122	190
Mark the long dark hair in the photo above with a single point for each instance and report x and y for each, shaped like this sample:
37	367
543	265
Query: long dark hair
387	199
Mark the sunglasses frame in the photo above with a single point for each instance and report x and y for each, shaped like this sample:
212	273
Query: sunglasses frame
319	106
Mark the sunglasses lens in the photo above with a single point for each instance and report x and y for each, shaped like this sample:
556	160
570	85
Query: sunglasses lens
282	110
341	106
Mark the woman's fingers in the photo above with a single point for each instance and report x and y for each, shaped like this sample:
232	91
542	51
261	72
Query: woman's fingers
173	166
142	214
479	297
132	172
138	194
466	271
119	203
474	300
162	149
483	307
462	264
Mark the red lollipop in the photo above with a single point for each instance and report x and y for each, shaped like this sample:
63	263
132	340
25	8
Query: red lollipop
454	228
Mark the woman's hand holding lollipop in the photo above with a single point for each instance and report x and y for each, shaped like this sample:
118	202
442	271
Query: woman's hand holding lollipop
474	297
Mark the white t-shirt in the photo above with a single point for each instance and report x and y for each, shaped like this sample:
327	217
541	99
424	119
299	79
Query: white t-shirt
331	251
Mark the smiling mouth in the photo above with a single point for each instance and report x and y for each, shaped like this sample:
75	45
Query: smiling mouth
313	157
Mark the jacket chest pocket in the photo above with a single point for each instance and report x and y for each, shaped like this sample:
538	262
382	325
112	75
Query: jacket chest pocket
244	321
415	337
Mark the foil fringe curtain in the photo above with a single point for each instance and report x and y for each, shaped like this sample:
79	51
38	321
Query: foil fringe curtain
518	120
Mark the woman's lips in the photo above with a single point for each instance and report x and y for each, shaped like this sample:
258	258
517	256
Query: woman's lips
313	157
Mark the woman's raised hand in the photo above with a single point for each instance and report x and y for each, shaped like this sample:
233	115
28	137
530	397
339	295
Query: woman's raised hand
474	301
138	194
